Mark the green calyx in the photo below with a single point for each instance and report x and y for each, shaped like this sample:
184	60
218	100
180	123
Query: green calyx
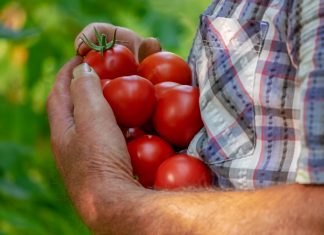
103	45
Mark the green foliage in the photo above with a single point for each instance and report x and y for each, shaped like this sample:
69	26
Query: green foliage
40	41
15	35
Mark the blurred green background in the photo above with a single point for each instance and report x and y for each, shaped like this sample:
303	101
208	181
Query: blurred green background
36	38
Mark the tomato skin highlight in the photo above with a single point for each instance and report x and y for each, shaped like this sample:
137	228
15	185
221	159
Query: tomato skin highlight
177	115
182	171
115	62
165	66
147	153
132	99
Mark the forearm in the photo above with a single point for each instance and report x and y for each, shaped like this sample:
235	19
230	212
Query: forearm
286	209
290	209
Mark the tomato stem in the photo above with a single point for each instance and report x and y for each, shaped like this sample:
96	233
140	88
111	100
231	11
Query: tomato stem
103	45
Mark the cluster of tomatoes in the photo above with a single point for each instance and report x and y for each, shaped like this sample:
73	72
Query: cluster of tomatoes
157	110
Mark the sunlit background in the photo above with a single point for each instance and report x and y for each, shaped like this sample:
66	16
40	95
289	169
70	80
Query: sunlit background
36	38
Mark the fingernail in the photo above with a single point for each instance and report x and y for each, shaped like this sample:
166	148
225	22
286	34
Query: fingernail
81	69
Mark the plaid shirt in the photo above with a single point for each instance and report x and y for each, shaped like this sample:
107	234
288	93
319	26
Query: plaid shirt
259	65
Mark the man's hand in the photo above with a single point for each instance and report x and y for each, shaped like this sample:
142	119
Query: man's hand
86	140
88	145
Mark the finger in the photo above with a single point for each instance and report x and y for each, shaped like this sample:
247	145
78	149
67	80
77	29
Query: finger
64	76
90	106
147	47
59	104
124	36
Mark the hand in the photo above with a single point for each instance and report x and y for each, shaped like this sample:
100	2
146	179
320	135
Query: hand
88	145
141	47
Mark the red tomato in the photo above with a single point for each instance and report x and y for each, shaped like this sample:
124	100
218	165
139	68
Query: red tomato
162	87
132	133
165	66
132	99
177	115
182	171
147	153
115	62
104	82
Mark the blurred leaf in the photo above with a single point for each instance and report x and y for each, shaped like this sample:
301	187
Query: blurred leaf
37	53
10	153
12	190
20	224
16	35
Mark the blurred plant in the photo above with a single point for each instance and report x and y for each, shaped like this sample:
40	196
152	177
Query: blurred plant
36	38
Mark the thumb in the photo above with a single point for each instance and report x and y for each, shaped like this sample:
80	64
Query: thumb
87	97
147	47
